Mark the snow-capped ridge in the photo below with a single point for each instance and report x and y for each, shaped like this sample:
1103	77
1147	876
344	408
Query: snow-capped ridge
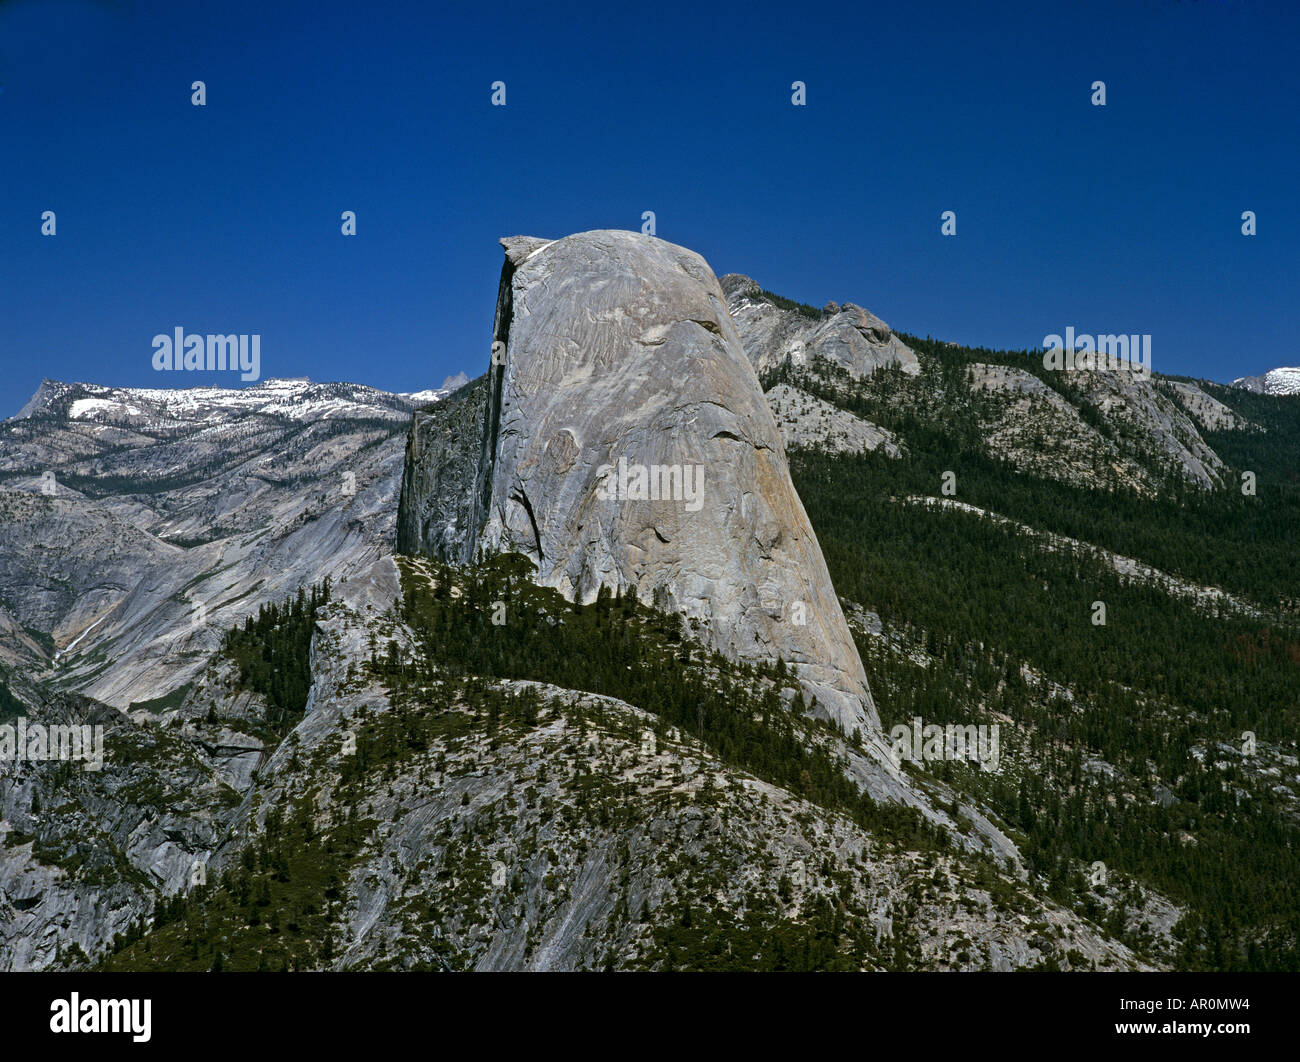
1284	380
297	398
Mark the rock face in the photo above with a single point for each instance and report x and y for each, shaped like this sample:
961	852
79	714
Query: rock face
1043	431
169	516
1209	413
1167	432
851	337
806	422
618	368
440	477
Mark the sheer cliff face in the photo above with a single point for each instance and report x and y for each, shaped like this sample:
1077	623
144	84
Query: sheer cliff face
628	444
444	449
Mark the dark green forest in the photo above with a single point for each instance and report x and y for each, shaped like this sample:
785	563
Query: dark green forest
622	648
273	651
1154	692
1243	544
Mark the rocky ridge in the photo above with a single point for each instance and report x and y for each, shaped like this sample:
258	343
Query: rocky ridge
806	421
849	336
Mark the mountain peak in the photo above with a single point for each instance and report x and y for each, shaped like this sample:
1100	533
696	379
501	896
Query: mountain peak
738	284
568	428
1283	380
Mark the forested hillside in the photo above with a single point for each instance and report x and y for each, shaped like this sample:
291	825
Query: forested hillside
1160	742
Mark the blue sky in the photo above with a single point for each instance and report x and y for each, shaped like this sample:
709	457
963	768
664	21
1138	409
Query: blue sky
225	218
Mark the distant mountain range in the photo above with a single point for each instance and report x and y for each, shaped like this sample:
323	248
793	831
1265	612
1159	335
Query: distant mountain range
296	399
1281	381
636	734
